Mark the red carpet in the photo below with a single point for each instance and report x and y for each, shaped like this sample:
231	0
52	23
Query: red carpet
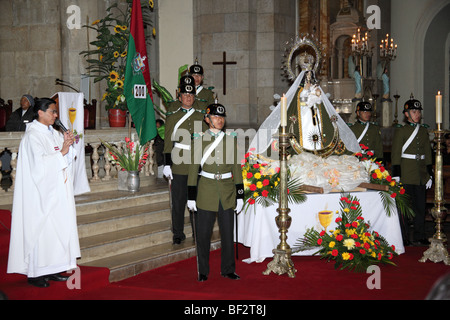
315	280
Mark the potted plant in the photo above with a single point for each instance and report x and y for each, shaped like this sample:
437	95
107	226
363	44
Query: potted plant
108	60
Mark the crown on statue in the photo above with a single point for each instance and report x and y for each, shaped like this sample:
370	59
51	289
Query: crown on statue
306	61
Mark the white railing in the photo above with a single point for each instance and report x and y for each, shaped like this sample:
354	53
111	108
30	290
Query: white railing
99	169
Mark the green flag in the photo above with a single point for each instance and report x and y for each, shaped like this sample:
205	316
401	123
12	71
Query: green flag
137	86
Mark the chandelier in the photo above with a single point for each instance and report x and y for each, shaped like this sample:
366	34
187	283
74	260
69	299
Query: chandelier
388	50
360	44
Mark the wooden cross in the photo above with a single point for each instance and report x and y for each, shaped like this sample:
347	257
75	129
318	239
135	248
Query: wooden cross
224	63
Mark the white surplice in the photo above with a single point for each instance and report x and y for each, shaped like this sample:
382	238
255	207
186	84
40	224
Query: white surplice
44	236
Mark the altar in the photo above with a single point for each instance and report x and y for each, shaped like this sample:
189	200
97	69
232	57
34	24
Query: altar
257	228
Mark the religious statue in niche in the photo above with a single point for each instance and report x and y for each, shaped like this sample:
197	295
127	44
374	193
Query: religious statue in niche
382	74
355	73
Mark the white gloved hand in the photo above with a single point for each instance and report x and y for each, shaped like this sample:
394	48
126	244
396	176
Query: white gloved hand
167	172
397	179
192	205
429	183
239	205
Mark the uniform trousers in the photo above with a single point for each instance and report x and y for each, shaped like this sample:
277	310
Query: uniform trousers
179	200
204	224
417	194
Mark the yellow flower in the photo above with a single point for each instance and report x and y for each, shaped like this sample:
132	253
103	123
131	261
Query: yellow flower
124	54
332	244
117	28
275	183
347	210
259	185
123	28
346	256
116	54
119	83
257	175
113	76
349	243
255	195
104	96
95	22
151	4
154	32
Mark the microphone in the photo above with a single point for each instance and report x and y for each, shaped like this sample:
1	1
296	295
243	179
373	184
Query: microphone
59	124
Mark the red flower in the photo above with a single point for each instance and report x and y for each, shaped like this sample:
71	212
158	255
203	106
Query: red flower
266	182
362	251
360	218
374	175
354	236
127	139
265	193
388	178
256	166
338	220
402	191
251	201
354	224
339	237
379	256
369	153
253	187
319	241
353	208
357	244
393	195
322	233
334	253
249	175
366	245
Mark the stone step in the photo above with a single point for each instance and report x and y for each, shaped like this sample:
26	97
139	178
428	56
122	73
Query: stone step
115	199
127	240
133	263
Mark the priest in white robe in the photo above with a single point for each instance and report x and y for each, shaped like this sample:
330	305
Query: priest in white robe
44	237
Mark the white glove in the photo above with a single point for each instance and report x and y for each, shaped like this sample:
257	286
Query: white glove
429	183
397	179
239	205
192	206
167	172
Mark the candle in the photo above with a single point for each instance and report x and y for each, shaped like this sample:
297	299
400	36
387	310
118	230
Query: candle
439	108
284	111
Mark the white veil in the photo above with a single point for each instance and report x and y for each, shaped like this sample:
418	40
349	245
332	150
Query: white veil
270	126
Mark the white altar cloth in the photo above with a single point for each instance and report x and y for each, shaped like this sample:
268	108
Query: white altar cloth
257	227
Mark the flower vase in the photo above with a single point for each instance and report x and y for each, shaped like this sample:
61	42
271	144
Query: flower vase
133	181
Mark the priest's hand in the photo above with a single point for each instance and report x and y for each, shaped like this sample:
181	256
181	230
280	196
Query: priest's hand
68	141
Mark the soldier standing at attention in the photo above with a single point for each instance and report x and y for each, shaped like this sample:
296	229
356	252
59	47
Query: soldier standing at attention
215	187
366	132
180	125
204	96
412	163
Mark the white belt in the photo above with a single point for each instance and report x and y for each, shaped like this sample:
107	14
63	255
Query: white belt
182	146
413	156
216	176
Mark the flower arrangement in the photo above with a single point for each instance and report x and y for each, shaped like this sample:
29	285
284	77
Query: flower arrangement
395	196
352	245
131	157
108	60
261	183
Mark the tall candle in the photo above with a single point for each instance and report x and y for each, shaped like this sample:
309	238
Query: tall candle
439	108
284	111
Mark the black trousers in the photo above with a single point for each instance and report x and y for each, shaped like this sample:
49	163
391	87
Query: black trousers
417	195
204	224
179	200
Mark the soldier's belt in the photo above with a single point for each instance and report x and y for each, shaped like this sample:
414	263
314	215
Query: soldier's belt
413	156
181	146
216	176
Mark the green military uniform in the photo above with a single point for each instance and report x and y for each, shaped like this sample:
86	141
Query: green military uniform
371	138
204	97
411	161
180	125
215	183
414	168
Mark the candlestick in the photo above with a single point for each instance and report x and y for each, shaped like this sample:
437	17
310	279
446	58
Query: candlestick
284	111
439	108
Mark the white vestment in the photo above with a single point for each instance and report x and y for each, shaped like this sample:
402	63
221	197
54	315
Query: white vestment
44	236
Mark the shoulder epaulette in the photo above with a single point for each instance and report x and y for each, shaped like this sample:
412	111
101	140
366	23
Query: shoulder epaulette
425	126
350	124
200	110
398	125
210	88
202	100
